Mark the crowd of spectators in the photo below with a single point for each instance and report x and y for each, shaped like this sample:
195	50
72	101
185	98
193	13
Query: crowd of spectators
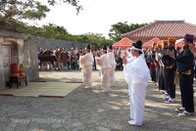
68	59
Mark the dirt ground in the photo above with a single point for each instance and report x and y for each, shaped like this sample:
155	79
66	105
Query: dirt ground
89	109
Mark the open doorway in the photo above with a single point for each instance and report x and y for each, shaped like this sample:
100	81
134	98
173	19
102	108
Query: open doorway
6	49
10	55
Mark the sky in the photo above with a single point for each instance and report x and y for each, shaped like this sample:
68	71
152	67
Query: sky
97	16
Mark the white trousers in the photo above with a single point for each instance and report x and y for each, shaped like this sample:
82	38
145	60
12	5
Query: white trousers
137	94
112	78
105	78
87	76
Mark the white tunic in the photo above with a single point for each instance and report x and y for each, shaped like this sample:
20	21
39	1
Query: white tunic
103	62
112	58
129	55
112	71
86	63
86	60
104	65
137	75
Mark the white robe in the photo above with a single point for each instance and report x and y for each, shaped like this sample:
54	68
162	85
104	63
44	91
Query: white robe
104	65
129	55
137	75
112	71
86	63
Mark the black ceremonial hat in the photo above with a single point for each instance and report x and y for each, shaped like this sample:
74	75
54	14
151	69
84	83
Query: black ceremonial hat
110	47
138	44
88	47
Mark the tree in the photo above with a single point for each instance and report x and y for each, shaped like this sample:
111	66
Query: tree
53	31
47	31
97	40
13	12
29	9
121	28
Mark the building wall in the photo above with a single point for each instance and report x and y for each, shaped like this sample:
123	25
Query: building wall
31	62
2	80
50	43
20	43
21	53
14	53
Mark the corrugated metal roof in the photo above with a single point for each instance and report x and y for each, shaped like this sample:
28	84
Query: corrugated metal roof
162	29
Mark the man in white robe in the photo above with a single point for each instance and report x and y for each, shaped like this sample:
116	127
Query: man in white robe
86	62
137	75
104	65
113	64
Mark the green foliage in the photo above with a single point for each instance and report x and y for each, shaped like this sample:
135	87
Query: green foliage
59	32
22	9
97	40
50	31
29	9
12	12
120	28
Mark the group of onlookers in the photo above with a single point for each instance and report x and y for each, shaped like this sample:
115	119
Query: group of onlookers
63	57
68	59
172	66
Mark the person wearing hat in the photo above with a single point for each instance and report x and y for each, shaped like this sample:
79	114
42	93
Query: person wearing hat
137	75
184	62
154	64
170	70
162	69
86	62
157	60
162	85
104	65
113	63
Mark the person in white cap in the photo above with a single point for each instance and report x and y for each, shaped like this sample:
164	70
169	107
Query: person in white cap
113	64
86	62
104	65
137	75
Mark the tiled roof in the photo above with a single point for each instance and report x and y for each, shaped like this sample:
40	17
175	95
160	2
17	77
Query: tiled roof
162	30
150	43
125	42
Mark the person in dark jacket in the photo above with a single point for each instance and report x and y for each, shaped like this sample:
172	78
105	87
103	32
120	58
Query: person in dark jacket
153	64
170	70
184	62
162	67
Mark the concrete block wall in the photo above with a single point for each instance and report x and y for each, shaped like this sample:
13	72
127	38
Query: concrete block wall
30	62
50	43
2	79
20	43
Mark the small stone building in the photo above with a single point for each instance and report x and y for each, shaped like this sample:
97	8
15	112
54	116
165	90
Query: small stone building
14	50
